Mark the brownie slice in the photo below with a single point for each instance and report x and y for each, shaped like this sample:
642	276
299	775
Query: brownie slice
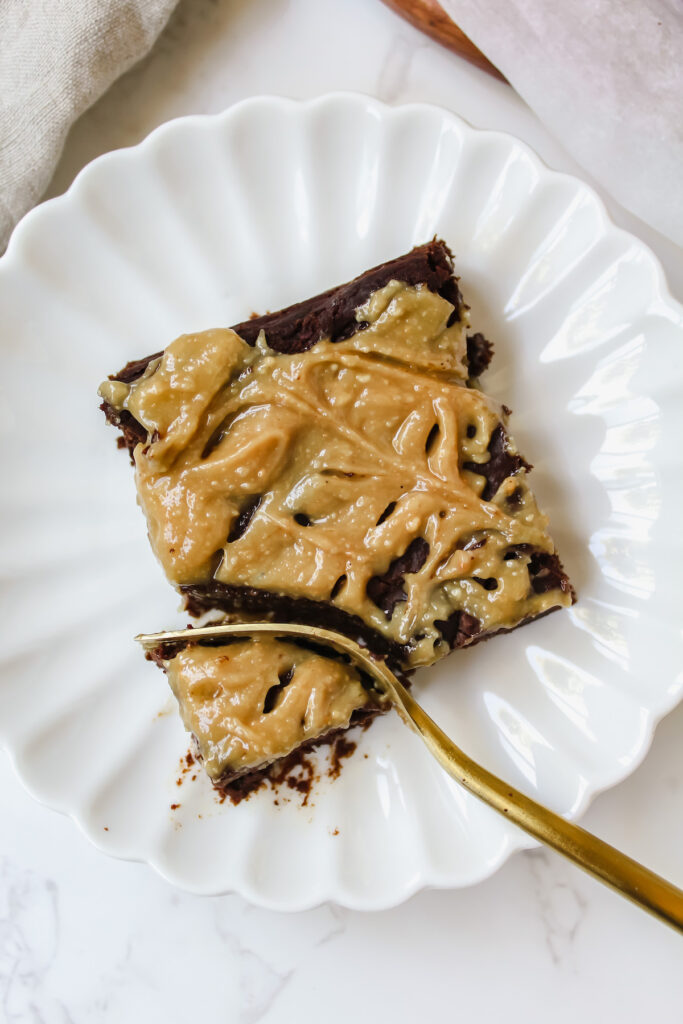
255	708
249	703
336	464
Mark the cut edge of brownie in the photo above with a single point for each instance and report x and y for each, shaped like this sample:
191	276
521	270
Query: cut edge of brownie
461	629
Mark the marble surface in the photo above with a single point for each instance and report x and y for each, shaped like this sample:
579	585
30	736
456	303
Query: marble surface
87	939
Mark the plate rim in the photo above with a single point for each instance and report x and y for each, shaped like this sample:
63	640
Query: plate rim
654	715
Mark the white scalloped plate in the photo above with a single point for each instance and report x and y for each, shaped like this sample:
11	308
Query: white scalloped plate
209	219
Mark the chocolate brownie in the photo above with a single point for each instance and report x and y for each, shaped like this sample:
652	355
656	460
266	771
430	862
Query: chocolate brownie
337	464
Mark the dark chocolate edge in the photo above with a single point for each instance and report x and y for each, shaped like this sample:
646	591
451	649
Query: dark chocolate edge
225	597
299	327
332	314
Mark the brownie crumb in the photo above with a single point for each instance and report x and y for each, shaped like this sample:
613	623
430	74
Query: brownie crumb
174	807
341	748
301	778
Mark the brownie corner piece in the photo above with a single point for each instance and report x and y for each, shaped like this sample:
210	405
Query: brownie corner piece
251	703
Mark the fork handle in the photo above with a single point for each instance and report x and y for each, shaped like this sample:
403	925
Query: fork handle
637	883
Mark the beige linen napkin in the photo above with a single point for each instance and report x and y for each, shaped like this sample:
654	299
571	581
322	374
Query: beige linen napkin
606	78
56	58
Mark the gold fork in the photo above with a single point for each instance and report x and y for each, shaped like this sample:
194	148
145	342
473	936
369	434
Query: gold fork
637	883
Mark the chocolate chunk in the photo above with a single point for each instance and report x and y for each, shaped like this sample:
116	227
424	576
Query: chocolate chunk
387	591
479	353
387	512
244	518
458	628
545	569
489	583
502	463
131	431
546	573
165	652
274	691
514	500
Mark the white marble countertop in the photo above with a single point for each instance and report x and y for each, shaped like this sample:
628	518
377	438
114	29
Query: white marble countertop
87	939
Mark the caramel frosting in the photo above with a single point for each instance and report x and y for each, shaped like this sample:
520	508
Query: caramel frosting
346	474
252	702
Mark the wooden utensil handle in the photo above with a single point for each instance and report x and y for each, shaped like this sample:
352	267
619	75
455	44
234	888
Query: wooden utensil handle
430	17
